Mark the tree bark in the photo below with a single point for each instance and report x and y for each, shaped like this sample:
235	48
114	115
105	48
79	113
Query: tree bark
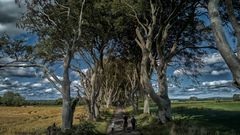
95	89
67	112
146	108
165	108
234	23
109	101
223	46
162	101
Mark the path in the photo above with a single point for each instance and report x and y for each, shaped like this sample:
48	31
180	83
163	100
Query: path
118	120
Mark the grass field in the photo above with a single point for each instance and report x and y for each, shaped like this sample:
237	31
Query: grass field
195	117
31	120
189	117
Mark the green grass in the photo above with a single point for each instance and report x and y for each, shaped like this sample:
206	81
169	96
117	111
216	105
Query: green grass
194	117
189	117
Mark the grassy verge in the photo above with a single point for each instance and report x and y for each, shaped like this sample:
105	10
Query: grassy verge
194	117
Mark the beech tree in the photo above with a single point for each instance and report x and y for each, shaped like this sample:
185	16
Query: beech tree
166	30
58	24
231	57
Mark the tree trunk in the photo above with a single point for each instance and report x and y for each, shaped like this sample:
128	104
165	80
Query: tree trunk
134	102
165	107
67	112
67	115
146	108
94	95
224	48
109	101
162	101
235	24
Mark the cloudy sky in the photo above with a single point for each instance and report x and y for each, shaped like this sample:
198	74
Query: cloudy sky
214	78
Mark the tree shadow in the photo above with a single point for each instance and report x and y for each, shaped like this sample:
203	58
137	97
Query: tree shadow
228	120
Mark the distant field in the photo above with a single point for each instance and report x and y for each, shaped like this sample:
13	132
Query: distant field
33	120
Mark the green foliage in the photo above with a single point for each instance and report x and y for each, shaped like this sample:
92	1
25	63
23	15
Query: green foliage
14	48
193	98
85	128
13	99
58	101
236	97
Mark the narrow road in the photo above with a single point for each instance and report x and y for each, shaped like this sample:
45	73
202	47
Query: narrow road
118	128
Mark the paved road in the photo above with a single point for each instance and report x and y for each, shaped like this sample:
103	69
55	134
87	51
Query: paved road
118	120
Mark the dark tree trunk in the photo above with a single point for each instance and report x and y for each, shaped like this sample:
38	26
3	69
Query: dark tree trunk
165	107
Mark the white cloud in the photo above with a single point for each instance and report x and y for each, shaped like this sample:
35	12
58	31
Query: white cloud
3	91
31	94
2	27
36	85
220	72
49	90
182	71
213	58
58	93
85	70
216	83
192	89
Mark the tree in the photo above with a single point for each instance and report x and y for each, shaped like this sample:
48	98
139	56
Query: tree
236	97
58	26
231	58
12	99
164	35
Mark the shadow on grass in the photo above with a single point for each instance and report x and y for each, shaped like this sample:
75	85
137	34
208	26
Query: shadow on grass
228	120
191	121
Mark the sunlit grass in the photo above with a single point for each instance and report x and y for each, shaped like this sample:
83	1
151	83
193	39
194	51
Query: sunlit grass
35	120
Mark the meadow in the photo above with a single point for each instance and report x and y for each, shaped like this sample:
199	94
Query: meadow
32	119
189	117
195	118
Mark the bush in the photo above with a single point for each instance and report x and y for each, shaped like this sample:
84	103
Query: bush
58	101
85	128
236	97
193	98
12	99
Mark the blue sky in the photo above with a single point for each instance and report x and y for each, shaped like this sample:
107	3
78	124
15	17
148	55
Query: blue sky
214	78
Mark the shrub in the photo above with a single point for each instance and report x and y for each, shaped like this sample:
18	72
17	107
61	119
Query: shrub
193	98
58	101
236	97
85	128
12	99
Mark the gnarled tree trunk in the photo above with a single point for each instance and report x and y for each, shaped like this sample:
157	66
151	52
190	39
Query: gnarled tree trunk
223	46
165	107
162	101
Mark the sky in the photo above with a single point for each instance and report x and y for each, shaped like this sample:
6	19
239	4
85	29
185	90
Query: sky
214	79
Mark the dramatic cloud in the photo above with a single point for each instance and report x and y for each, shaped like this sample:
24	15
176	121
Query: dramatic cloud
9	14
214	65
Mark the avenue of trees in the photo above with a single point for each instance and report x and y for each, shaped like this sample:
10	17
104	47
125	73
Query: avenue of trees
122	43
